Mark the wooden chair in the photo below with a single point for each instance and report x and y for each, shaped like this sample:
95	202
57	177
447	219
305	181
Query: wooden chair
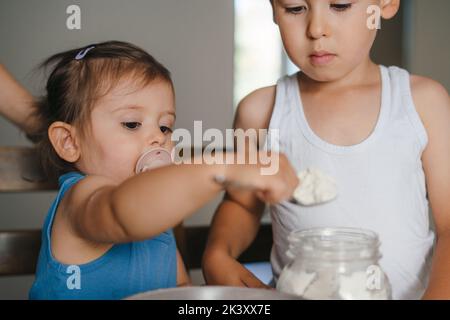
20	172
19	252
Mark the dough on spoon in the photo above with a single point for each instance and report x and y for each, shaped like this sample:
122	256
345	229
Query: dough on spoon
315	188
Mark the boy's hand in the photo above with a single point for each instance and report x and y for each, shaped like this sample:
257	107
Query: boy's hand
236	274
268	188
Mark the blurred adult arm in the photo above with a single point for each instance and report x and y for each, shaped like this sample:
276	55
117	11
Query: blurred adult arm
16	103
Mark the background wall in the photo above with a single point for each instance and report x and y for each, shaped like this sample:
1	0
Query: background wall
194	39
428	41
388	46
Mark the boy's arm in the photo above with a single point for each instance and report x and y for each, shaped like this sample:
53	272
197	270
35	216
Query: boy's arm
237	219
433	104
16	103
183	278
233	229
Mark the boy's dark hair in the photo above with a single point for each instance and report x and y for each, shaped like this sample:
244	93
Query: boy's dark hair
75	84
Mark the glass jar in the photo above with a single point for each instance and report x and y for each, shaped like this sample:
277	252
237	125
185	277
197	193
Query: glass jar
334	263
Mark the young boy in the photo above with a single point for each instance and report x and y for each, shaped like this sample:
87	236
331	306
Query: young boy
383	134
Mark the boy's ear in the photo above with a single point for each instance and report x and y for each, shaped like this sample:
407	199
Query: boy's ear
64	139
273	12
389	8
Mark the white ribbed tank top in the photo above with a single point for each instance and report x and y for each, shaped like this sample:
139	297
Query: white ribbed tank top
381	182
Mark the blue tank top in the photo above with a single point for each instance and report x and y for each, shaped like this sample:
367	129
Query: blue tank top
124	270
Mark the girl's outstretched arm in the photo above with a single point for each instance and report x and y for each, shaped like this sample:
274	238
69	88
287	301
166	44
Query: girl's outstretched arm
154	201
16	103
141	207
433	104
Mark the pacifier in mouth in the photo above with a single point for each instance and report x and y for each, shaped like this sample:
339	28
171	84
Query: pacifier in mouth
152	159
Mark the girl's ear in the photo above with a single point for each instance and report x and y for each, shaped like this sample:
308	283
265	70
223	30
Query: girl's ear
64	139
389	8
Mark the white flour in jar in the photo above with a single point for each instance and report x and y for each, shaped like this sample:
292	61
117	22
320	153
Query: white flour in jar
307	285
294	282
310	285
355	287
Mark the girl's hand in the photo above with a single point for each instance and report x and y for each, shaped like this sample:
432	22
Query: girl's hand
271	188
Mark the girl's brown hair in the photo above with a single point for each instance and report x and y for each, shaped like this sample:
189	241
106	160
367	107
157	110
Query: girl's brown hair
79	78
